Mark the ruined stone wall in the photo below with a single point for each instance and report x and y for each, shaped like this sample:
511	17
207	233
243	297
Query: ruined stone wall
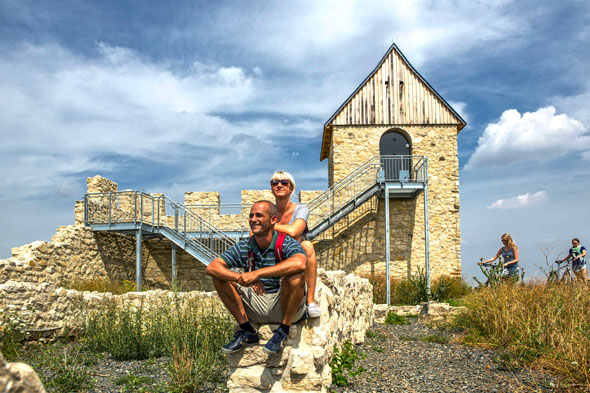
46	307
76	254
360	245
346	302
234	220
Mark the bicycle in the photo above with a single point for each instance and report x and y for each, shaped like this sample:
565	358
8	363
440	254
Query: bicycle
496	273
564	273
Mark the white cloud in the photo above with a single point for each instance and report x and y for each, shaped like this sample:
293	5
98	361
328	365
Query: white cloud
520	201
577	105
534	136
330	49
308	32
60	113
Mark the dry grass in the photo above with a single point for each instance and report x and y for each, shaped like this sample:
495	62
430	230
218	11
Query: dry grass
102	286
536	324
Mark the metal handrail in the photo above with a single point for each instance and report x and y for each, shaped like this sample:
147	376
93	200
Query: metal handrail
161	214
377	169
196	228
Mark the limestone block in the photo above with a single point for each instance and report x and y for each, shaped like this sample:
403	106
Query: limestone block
321	355
100	184
302	362
256	356
18	378
251	196
406	310
380	312
257	377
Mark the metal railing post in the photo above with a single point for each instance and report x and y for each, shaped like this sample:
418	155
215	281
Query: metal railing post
426	238
387	251
173	262
140	208
138	260
135	206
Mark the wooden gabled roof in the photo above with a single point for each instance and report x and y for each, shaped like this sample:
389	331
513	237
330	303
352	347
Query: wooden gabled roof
393	94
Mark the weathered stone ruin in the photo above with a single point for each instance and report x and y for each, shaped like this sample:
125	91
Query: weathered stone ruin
347	312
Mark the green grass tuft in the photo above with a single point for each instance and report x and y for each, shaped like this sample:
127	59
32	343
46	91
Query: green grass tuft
394	319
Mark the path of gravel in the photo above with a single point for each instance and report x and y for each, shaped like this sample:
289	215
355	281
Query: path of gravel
397	359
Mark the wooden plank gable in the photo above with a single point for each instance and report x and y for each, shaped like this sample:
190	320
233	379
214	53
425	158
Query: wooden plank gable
393	94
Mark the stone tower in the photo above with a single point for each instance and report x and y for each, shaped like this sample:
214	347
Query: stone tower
395	112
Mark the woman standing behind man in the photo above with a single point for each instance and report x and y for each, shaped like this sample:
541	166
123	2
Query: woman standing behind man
509	253
292	220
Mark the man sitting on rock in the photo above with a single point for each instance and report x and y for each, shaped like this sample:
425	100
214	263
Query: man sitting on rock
271	288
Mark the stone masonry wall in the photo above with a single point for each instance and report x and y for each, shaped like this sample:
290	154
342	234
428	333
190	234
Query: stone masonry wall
351	147
46	307
78	254
303	365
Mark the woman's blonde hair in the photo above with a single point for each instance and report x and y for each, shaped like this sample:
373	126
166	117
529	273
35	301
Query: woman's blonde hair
509	240
279	175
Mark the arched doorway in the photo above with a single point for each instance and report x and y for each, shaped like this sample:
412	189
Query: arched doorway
394	149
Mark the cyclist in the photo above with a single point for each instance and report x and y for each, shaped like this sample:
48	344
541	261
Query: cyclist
292	220
509	253
578	255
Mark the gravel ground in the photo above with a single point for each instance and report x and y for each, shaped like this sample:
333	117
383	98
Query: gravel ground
151	376
396	359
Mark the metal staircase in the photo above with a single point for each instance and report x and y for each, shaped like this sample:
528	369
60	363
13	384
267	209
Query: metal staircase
133	211
144	215
404	176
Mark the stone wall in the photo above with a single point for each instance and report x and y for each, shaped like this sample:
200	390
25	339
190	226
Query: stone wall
77	254
303	365
360	245
46	307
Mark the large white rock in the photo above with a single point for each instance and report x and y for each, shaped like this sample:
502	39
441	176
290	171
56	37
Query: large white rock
18	378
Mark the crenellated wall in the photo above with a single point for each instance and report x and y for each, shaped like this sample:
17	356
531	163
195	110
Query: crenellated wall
354	244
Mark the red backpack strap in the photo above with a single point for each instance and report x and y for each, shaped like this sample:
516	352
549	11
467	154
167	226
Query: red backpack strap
279	254
250	262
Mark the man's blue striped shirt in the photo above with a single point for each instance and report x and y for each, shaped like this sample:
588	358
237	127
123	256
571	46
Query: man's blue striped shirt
237	256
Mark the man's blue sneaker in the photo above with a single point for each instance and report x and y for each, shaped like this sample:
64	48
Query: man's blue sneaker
241	338
276	342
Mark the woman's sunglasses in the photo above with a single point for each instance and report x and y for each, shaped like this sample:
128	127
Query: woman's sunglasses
284	182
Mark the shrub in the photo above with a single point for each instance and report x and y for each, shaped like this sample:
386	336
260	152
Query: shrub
412	290
343	364
13	322
190	331
394	319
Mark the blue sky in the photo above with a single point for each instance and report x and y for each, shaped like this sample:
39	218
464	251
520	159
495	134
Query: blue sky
182	96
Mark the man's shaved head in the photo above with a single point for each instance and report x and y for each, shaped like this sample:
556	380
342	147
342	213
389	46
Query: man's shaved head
270	208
